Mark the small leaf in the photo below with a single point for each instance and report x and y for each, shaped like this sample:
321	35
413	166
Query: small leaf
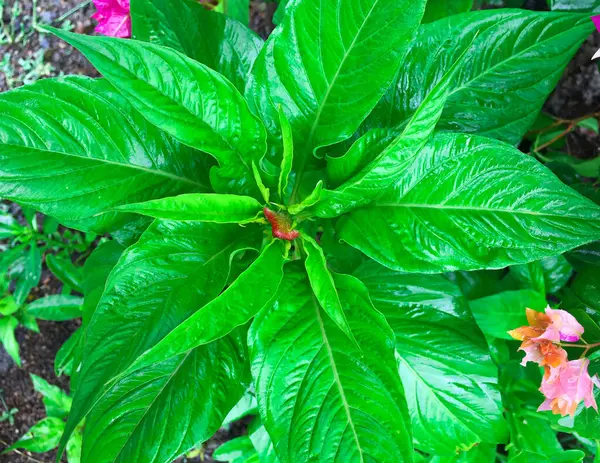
199	207
323	285
56	307
42	437
237	450
309	201
30	276
288	154
65	271
63	362
7	337
264	191
56	401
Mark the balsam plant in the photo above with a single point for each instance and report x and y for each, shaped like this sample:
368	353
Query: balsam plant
292	210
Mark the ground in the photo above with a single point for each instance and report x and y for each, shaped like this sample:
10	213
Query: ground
31	56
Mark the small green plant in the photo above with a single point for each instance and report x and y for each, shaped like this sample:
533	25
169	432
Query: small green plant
23	247
45	434
8	413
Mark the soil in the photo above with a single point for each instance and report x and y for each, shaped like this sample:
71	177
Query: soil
577	94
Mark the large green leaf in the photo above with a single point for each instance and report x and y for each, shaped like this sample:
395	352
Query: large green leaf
235	306
201	207
385	167
467	203
187	99
210	38
96	152
575	5
319	397
173	270
327	65
163	410
445	365
516	61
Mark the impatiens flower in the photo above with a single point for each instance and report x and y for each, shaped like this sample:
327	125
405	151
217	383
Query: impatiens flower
566	386
596	20
113	18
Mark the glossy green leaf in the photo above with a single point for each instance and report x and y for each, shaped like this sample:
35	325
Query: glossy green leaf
438	9
41	437
7	337
319	397
450	380
74	447
327	65
360	154
483	453
97	152
312	199
514	64
235	306
469	202
172	271
56	307
505	311
262	443
237	450
63	362
31	274
65	271
237	9
165	409
246	406
56	401
575	5
186	99
288	154
205	36
264	191
569	456
201	207
383	171
323	286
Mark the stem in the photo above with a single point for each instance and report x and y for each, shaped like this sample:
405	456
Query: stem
581	346
72	10
21	453
572	123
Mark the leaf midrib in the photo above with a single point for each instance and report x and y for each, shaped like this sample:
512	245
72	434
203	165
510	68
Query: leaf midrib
477	208
336	377
108	162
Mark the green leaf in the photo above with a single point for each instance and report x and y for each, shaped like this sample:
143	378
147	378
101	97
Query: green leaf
42	437
319	397
467	203
323	285
214	208
235	306
30	276
237	450
264	191
165	409
327	65
569	456
505	311
65	271
361	153
186	99
9	227
438	9
246	406
74	447
312	199
263	443
499	94
57	402
237	9
8	306
56	307
7	337
591	6
63	362
383	171
205	36
288	154
450	380
173	270
88	128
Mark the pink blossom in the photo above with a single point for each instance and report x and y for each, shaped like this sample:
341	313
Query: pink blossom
566	386
596	20
562	327
113	18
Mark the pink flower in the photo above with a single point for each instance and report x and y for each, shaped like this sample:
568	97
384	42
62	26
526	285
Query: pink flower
113	18
566	386
562	327
596	21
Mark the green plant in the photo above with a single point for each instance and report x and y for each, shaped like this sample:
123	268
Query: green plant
45	434
8	413
20	271
319	215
